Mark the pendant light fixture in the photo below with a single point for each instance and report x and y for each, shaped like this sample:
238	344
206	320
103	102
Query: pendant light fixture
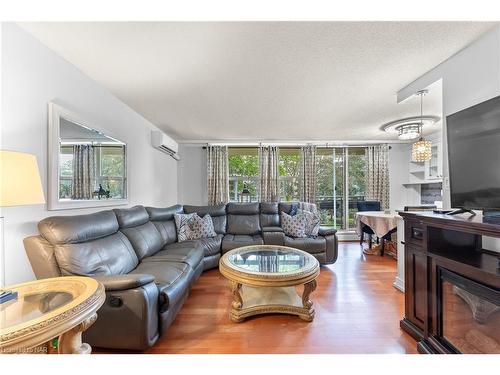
422	149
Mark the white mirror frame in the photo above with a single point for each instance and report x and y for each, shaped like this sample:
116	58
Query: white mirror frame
53	201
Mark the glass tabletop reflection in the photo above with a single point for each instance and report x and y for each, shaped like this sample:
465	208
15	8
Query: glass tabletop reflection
31	306
269	260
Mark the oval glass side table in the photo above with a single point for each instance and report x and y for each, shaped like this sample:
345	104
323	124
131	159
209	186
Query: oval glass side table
60	307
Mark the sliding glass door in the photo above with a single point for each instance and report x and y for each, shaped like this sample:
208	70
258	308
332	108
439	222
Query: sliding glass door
340	184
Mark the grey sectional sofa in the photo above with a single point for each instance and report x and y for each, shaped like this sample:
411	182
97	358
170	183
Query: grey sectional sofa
147	274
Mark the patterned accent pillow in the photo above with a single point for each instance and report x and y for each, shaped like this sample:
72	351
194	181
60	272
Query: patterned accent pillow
312	222
182	225
294	209
193	227
294	226
201	227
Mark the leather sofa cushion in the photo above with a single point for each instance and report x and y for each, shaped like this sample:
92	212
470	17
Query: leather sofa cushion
243	224
269	216
220	223
310	245
110	255
167	229
131	217
163	214
217	210
78	228
269	220
210	246
232	241
171	278
182	252
243	208
145	239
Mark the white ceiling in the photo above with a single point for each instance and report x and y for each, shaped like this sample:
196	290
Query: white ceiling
262	80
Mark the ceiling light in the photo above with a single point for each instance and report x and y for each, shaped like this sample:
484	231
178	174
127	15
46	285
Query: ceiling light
422	149
410	131
396	126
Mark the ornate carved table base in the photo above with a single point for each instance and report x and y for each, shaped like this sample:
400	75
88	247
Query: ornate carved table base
254	300
70	342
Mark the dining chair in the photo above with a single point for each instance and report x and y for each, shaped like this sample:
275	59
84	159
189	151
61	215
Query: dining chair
367	206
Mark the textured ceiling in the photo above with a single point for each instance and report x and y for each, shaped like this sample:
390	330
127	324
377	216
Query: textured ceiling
262	80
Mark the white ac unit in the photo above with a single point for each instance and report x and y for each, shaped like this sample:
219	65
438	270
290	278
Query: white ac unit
165	144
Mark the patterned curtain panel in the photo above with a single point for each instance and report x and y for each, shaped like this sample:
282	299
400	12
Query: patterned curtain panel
308	173
377	174
83	172
269	184
217	174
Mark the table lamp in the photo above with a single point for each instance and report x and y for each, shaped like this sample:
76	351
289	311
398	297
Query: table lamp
20	185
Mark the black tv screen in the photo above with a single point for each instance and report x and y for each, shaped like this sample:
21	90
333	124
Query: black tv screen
474	156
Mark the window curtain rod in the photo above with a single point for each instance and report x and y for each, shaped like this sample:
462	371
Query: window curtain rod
296	145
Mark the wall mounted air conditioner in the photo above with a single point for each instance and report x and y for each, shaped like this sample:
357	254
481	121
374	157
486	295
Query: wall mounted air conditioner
165	144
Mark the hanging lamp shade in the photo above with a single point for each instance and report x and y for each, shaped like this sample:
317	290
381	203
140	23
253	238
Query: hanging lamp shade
421	150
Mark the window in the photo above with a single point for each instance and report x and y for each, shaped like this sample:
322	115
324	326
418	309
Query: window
109	170
243	172
340	183
289	174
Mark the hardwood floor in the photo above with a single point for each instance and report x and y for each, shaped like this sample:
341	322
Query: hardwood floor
357	311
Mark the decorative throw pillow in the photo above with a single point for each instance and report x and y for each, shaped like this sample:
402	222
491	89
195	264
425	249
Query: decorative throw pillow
193	227
294	209
312	222
182	225
294	226
201	227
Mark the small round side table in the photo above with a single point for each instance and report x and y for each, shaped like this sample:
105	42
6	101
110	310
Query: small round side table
60	307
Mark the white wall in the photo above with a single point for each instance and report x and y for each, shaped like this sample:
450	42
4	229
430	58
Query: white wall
469	77
192	175
32	76
399	161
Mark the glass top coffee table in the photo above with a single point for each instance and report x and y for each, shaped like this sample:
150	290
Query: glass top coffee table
263	279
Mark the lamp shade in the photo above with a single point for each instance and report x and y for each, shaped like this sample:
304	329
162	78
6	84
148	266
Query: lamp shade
20	182
421	150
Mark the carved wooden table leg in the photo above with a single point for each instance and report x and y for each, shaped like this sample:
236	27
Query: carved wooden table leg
70	342
237	302
306	302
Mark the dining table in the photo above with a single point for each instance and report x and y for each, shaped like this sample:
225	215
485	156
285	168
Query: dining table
383	224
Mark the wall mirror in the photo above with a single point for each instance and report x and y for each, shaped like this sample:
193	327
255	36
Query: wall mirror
87	167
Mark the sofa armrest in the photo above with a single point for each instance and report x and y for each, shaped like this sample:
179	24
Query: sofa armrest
272	229
326	231
124	282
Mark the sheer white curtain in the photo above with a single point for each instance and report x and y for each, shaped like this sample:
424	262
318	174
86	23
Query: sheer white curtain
217	174
308	173
83	172
377	174
268	172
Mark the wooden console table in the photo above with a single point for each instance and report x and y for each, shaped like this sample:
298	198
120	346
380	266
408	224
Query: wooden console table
452	283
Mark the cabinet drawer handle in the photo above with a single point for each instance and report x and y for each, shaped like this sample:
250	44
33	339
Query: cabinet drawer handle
417	233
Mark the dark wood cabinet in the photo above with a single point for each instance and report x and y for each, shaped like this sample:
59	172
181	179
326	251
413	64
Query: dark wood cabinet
445	269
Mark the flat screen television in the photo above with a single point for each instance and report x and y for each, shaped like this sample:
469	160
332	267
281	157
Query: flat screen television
473	136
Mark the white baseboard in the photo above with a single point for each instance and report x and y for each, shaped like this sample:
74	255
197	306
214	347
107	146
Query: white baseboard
347	235
399	284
